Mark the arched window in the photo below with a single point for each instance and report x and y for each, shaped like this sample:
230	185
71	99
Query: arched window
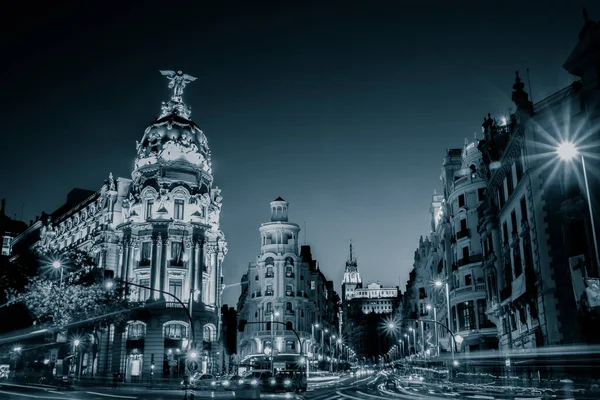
473	168
269	291
269	273
289	326
136	330
269	261
175	330
209	333
289	290
289	261
289	272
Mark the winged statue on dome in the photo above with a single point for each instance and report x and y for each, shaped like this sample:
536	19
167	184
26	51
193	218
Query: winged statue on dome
178	81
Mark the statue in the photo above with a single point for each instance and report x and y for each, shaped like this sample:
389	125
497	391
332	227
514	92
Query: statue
111	182
177	81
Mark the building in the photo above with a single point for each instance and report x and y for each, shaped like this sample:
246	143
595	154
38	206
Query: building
539	247
365	311
158	229
351	279
9	229
286	287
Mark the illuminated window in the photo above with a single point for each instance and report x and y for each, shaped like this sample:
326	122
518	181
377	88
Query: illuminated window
145	254
136	331
178	209
144	293
175	331
175	288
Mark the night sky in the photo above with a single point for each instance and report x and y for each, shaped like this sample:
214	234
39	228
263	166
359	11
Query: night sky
343	110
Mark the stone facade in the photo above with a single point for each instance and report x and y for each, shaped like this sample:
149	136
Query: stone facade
159	229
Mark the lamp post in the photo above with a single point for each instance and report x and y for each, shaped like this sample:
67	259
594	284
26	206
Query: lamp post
439	284
567	151
273	315
331	352
435	331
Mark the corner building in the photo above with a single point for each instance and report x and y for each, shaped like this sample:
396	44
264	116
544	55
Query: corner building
285	284
159	229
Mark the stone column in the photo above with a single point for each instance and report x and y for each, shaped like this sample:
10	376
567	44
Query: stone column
164	271
189	263
125	260
133	248
199	262
154	265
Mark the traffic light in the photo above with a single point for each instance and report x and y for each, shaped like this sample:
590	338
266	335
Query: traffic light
241	325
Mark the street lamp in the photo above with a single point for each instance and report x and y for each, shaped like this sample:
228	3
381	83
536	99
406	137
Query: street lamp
429	307
58	265
567	151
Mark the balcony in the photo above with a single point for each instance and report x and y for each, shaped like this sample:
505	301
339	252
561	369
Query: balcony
289	293
173	304
463	233
290	312
269	274
278	248
290	275
475	258
477	287
269	293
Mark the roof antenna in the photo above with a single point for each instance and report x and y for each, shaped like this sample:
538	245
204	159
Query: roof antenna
529	84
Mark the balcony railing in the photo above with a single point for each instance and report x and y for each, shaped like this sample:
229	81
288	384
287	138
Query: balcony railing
470	260
478	287
289	293
173	304
462	234
289	275
269	293
269	274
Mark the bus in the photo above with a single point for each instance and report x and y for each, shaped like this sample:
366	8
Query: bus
289	371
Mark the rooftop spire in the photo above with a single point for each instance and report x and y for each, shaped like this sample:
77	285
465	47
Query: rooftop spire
351	259
519	95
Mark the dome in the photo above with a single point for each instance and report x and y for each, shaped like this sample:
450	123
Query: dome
173	139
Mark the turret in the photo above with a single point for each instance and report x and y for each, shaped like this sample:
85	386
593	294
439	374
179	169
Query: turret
279	210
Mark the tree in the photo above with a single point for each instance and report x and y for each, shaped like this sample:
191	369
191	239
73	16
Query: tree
81	297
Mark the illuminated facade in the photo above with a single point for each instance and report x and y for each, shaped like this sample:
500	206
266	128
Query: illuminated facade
351	280
284	284
159	229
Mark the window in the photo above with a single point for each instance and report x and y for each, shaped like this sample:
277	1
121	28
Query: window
505	328
145	254
508	277
517	261
484	321
289	290
466	316
289	272
136	331
149	205
513	222
289	326
465	254
490	244
505	232
176	253
289	306
268	325
468	280
509	182
461	200
143	292
175	331
312	285
481	194
175	288
513	321
422	294
178	209
269	261
270	272
463	224
269	291
523	209
269	307
422	309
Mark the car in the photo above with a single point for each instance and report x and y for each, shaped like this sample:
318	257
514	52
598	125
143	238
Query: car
282	382
229	382
255	379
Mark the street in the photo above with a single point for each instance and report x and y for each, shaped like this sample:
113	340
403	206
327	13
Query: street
371	387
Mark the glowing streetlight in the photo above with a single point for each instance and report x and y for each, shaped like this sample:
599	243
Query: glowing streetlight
391	325
58	265
76	342
109	284
193	355
428	307
567	151
17	349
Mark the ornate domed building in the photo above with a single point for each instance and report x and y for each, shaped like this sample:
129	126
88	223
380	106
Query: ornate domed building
160	231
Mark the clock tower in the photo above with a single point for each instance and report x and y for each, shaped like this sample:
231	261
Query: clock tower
351	279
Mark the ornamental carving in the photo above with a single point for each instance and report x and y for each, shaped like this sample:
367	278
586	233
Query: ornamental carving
210	249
